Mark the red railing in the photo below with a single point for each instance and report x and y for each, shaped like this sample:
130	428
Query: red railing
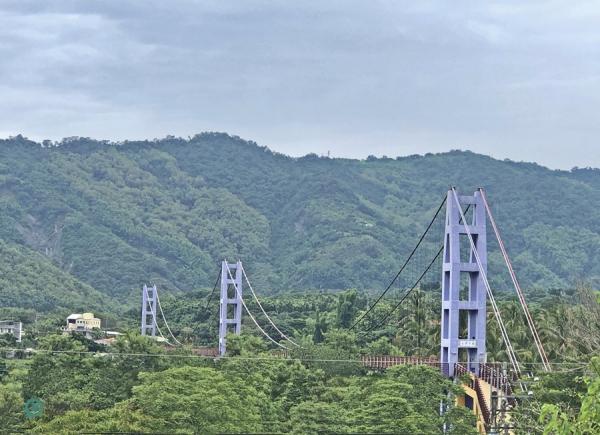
461	370
485	410
386	361
474	384
494	375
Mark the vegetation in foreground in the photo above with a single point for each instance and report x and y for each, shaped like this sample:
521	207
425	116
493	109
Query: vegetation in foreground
137	384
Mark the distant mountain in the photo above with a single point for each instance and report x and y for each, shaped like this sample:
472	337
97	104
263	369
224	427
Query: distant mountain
113	216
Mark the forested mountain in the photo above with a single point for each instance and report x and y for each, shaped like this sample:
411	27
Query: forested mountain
112	216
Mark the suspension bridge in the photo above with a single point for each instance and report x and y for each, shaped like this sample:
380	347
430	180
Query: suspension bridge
465	296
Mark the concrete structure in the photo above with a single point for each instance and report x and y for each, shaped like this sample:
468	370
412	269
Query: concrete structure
489	395
149	295
12	327
82	322
230	314
463	290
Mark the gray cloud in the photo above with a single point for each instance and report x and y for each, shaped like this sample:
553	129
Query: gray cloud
511	79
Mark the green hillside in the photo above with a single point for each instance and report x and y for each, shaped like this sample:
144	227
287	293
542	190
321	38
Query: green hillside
116	215
30	281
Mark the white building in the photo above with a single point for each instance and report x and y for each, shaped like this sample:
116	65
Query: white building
82	322
11	327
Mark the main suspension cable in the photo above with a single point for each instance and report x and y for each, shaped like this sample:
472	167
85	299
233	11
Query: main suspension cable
403	266
154	316
520	294
510	350
165	320
429	266
213	291
264	312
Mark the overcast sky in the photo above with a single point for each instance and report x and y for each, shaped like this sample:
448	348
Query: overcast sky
512	79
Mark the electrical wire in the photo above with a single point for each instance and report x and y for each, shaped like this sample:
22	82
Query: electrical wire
403	266
570	365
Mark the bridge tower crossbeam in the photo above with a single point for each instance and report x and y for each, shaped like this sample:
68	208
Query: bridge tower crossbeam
149	310
461	269
230	313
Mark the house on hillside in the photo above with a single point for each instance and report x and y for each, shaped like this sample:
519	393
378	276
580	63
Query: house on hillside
85	323
12	327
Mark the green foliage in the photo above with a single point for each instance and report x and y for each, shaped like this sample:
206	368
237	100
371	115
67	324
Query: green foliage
132	388
11	405
72	380
30	280
198	399
587	421
112	216
317	417
348	306
84	224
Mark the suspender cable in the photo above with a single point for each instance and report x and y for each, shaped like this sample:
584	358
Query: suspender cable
264	312
248	311
413	287
520	294
510	350
154	317
165	320
403	266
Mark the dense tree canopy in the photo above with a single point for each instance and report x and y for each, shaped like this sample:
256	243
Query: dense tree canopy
116	215
84	223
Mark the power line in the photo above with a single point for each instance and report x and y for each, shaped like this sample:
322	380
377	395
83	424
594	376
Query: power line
403	266
581	364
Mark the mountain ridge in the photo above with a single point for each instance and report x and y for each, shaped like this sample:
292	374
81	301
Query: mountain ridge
120	214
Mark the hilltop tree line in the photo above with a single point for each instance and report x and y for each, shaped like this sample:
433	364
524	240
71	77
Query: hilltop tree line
112	216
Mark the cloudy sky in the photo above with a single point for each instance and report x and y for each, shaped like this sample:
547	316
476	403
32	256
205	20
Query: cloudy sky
512	79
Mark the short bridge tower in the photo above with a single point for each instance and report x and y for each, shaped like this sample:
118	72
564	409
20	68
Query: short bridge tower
230	313
149	295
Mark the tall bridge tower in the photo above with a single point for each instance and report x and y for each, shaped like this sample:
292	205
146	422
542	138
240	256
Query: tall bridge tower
230	314
463	290
149	310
